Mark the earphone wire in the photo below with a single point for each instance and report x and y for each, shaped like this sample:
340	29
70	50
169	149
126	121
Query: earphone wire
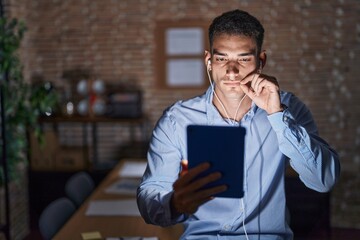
243	220
227	116
221	104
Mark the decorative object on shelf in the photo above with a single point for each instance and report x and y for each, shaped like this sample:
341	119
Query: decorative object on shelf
67	105
84	94
124	103
93	101
83	107
69	108
74	88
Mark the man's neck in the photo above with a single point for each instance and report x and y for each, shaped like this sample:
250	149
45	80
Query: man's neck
233	109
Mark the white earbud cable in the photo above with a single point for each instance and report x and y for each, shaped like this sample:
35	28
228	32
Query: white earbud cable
233	123
222	105
243	220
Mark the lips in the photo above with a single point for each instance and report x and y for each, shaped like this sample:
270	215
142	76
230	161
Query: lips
231	82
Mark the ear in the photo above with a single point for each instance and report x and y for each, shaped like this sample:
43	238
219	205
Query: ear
262	58
207	58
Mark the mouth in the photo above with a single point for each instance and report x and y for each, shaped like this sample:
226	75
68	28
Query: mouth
231	82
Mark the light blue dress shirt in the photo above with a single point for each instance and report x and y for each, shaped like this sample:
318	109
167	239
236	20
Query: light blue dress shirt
271	142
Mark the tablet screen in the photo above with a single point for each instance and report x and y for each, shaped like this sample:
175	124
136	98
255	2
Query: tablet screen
223	148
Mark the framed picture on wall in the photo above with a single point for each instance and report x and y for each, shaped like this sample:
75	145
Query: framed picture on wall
180	50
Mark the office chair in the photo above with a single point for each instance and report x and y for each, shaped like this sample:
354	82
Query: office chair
79	187
55	216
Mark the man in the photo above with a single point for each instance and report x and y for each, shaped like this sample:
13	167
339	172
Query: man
279	130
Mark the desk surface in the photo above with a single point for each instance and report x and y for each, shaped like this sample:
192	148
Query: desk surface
112	226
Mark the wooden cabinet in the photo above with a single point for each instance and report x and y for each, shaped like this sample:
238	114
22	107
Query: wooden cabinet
78	143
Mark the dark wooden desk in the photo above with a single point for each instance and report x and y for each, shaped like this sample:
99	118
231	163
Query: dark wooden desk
112	226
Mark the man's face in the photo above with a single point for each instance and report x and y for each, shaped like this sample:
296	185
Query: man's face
233	58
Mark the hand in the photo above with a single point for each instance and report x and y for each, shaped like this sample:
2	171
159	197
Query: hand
187	196
263	91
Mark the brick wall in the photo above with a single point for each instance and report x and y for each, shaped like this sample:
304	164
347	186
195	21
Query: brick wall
313	49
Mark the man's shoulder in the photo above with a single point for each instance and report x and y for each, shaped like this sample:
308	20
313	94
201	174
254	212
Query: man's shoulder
288	98
184	111
195	103
286	95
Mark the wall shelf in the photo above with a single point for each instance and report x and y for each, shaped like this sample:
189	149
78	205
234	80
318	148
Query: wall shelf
88	135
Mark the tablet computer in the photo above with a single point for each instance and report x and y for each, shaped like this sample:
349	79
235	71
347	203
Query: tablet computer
223	148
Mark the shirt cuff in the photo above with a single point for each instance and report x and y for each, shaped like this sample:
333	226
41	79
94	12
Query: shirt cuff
173	219
278	121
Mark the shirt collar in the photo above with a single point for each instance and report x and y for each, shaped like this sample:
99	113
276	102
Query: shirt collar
213	115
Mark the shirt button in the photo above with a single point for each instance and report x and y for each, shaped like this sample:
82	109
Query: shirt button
285	119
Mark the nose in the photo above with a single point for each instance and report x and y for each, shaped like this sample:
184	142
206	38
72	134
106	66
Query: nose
232	70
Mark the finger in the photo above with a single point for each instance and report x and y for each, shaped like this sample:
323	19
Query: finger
210	192
202	196
191	203
207	194
270	85
255	83
248	91
191	174
184	167
201	182
260	86
247	79
194	172
191	188
188	191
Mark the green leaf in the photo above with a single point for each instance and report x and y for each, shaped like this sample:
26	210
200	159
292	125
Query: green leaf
22	105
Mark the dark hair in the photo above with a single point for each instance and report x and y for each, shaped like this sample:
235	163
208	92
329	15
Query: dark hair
237	22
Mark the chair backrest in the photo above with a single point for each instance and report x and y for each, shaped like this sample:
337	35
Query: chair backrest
79	187
54	216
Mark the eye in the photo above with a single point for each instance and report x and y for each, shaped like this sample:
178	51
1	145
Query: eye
221	59
244	59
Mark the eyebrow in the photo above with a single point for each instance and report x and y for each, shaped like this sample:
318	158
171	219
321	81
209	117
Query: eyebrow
239	55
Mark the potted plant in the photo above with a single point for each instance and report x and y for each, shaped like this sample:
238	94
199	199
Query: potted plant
23	102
